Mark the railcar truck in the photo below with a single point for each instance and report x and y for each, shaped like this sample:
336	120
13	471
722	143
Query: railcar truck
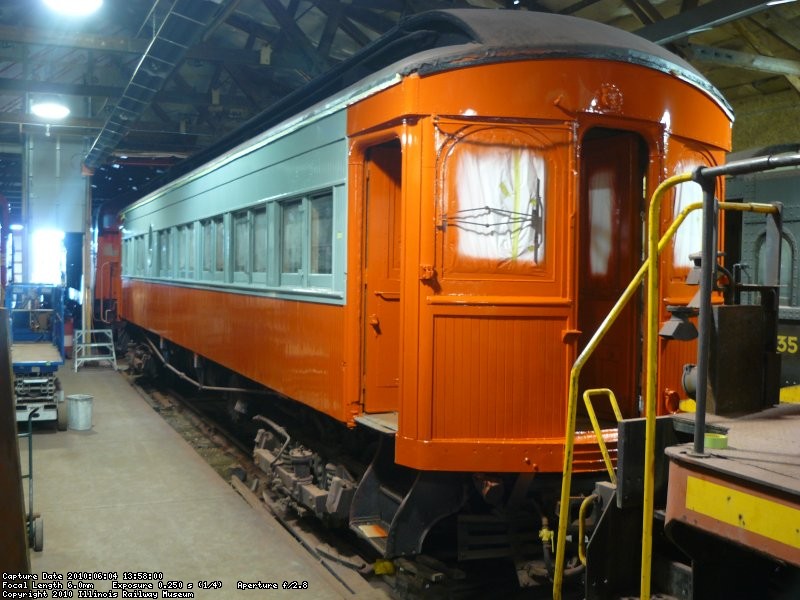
37	349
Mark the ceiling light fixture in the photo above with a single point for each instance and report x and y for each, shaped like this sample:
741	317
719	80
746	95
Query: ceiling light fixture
74	8
49	109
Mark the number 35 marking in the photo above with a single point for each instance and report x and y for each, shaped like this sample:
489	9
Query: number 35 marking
787	344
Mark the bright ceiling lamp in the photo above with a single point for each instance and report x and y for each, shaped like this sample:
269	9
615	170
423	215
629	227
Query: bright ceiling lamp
74	8
49	109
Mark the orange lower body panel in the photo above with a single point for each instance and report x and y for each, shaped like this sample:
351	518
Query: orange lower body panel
544	455
295	348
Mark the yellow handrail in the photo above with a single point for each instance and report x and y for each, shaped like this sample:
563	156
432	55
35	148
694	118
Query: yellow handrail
572	405
756	207
587	400
651	361
650	267
654	248
587	502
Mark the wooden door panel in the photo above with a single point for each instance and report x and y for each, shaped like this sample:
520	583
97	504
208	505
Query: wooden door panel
382	279
610	253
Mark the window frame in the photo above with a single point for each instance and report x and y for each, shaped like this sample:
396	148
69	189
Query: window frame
211	242
242	275
304	278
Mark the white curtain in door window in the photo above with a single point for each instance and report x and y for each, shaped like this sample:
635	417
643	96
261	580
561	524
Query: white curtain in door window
689	237
601	217
499	207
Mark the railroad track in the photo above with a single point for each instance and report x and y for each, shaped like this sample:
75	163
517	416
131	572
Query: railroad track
199	422
202	421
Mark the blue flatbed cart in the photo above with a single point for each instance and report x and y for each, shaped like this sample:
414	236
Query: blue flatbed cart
37	350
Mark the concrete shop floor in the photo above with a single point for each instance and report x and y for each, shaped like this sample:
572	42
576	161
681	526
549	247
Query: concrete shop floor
130	495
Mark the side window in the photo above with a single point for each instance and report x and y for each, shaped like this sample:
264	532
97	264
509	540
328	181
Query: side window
241	247
181	241
125	263
292	242
219	248
191	256
151	256
184	239
165	253
140	249
208	249
689	236
683	156
260	245
306	241
321	235
287	245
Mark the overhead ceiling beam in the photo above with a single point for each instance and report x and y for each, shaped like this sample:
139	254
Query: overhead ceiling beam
201	109
758	41
370	19
181	29
779	28
221	18
578	6
245	83
641	12
296	36
76	89
332	24
742	60
161	114
47	37
90	126
254	28
707	16
342	17
393	5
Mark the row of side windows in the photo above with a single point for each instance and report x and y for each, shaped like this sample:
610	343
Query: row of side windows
285	244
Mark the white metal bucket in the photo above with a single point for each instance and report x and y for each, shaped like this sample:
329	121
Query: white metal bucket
79	411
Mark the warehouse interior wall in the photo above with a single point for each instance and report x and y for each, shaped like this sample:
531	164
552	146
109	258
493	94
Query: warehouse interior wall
54	199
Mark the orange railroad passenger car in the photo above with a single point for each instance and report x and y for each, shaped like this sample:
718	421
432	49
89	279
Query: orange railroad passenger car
425	250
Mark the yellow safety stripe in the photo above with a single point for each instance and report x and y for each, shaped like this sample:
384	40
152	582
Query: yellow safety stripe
748	512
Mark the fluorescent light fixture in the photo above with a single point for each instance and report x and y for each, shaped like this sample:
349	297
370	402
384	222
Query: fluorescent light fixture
49	109
776	2
16	227
74	8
